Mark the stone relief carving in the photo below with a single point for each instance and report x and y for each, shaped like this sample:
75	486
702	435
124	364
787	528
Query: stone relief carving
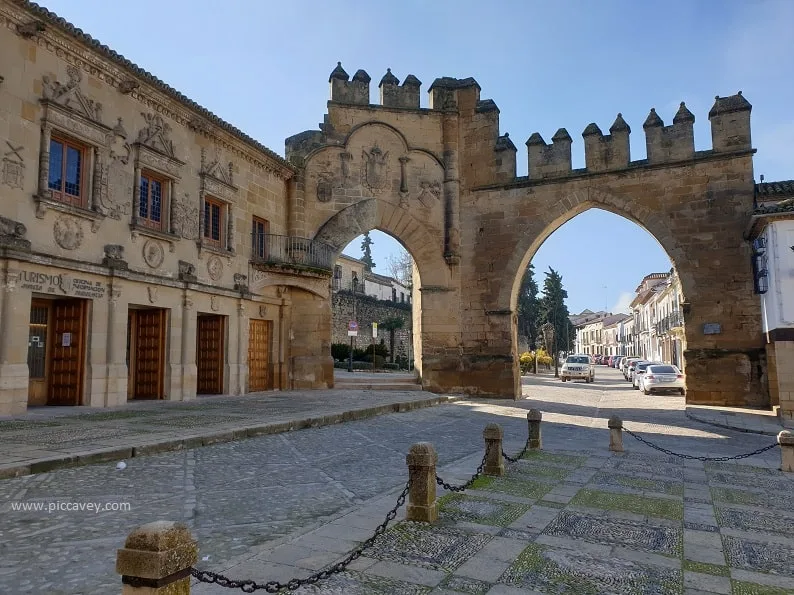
240	282
116	178
213	166
153	291
262	310
215	303
127	86
31	28
430	191
12	234
325	190
114	257
153	253
13	167
156	134
215	268
187	271
70	96
186	219
68	233
375	169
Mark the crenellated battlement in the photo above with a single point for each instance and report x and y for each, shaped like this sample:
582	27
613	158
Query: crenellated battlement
670	143
606	152
394	95
549	161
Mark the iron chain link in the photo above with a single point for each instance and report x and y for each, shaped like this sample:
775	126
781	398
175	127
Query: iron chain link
519	456
697	458
206	576
467	485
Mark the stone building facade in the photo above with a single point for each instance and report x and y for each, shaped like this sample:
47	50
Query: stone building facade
144	242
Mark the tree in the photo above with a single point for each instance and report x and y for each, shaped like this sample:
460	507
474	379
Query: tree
401	267
529	307
365	248
554	310
392	324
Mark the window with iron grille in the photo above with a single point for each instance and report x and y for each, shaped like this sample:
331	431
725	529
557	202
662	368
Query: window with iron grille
67	171
153	196
260	229
214	216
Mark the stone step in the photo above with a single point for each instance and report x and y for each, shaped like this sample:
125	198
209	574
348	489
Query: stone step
370	384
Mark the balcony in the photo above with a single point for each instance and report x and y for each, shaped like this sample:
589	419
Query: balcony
671	321
291	253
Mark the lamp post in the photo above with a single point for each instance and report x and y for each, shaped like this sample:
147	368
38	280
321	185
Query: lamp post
350	358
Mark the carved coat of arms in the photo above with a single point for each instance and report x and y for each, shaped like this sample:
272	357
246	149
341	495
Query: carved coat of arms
375	169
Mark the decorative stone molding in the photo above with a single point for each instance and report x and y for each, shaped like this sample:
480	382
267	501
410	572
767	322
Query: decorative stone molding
115	179
12	235
31	28
187	272
215	268
156	135
185	218
153	253
70	96
13	172
68	233
152	290
262	310
215	303
375	169
217	176
114	257
240	282
127	86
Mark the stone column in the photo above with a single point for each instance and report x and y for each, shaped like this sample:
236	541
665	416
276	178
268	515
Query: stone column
117	373
422	505
156	560
786	441
44	160
242	353
533	422
14	331
136	195
189	369
494	463
451	187
93	200
615	425
172	205
230	227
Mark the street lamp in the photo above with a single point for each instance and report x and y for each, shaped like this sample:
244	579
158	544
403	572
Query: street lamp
350	357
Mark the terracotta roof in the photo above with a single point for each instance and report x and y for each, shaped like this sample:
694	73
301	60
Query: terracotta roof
774	197
614	319
53	19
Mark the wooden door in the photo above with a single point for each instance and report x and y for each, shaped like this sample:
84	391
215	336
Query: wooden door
67	355
147	353
259	355
39	342
209	354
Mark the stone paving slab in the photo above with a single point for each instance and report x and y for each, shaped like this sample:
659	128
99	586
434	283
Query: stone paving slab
45	439
753	421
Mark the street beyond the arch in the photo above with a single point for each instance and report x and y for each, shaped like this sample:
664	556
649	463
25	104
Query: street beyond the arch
570	518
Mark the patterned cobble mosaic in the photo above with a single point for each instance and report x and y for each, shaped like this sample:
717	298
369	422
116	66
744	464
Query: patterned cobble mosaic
459	507
531	490
434	547
764	499
638	483
554	459
195	421
726	467
572	573
758	556
765	522
462	584
704	568
767	482
658	507
356	583
649	469
538	471
743	588
75	435
657	539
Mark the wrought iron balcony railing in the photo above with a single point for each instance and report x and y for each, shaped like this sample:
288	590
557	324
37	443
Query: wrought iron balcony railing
669	322
268	248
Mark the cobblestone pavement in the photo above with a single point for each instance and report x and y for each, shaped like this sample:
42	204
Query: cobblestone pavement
48	438
570	520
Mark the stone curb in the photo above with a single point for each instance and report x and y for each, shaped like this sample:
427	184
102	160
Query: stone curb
734	428
120	453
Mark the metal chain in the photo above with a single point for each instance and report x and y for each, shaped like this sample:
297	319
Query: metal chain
519	456
206	576
696	458
466	485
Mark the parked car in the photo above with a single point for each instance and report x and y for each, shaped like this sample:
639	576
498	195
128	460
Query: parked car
629	369
639	370
579	365
662	378
620	361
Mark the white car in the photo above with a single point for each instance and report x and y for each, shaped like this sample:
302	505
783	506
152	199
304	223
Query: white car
579	365
662	377
639	371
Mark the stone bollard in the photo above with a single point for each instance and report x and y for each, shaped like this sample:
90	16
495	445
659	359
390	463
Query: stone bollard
533	422
156	560
615	425
786	441
494	463
422	505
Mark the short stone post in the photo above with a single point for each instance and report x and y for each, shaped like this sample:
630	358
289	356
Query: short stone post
494	463
422	505
533	422
615	425
786	441
156	560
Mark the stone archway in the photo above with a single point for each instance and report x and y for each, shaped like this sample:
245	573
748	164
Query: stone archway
443	180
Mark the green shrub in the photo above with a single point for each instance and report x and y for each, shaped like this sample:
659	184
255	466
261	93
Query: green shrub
340	351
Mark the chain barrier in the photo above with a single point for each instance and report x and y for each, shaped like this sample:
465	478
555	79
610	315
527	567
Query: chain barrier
206	576
467	485
697	458
519	456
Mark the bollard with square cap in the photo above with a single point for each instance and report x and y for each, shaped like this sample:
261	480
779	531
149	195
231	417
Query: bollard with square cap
156	560
786	441
615	425
422	505
534	416
494	463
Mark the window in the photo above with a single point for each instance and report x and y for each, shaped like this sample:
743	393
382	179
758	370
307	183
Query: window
67	171
259	232
213	222
153	194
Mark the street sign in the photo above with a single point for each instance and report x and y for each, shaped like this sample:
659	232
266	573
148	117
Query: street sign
352	329
374	330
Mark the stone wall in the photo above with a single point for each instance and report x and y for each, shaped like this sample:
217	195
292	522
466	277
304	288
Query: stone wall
368	310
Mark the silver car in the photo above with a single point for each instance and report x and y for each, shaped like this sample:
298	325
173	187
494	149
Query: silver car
639	372
661	378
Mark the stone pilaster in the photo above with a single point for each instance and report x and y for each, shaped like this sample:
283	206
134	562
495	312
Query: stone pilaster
188	356
14	330
451	188
117	329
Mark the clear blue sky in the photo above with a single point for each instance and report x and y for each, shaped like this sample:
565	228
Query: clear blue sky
264	67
